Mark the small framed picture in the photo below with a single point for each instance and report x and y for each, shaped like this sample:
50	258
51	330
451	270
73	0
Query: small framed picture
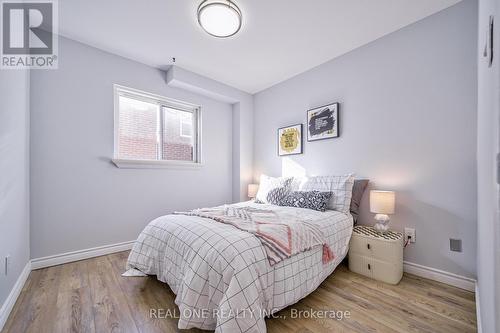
323	122
290	140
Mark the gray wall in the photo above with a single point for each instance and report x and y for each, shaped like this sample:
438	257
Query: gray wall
408	122
79	199
488	229
14	176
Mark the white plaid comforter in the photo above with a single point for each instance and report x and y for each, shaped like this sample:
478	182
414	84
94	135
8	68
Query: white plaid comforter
221	275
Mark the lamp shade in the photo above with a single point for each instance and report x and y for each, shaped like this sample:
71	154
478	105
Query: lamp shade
382	202
252	190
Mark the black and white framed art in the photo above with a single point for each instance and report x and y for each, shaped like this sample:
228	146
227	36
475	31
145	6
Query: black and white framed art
323	122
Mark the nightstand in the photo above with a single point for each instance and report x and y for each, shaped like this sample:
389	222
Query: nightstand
375	255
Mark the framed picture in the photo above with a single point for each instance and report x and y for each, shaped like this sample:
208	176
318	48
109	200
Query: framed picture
323	122
290	140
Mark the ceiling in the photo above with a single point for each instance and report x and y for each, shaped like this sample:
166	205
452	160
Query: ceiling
279	38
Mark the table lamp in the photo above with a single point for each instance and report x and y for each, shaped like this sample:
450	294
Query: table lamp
252	190
382	204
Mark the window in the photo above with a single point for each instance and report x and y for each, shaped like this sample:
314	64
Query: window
186	124
155	131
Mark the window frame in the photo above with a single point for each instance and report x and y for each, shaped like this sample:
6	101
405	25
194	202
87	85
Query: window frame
161	101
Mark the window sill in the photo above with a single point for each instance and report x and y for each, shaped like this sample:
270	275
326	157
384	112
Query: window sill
154	164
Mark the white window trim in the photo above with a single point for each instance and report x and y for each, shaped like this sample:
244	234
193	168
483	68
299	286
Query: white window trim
163	102
154	164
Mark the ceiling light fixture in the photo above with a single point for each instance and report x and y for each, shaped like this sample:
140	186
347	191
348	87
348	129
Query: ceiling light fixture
219	18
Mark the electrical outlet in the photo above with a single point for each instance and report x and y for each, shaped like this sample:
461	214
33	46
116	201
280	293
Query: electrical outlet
410	232
455	245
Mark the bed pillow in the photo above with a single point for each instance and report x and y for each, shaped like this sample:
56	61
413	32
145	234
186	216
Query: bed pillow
340	186
276	195
272	189
315	200
357	193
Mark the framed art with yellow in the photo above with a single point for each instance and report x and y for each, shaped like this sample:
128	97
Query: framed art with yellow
290	140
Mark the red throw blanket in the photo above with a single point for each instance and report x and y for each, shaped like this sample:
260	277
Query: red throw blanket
281	237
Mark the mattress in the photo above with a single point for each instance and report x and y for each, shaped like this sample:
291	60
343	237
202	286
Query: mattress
221	276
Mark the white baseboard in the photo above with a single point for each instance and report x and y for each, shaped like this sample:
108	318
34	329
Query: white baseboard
52	261
64	258
478	311
409	267
8	305
440	276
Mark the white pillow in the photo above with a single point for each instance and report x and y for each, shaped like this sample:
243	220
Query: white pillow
268	184
340	186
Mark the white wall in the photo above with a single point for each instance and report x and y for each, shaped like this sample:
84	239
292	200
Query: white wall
242	127
408	122
81	200
242	148
488	230
14	176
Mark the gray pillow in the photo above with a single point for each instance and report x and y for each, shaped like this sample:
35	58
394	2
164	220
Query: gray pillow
315	200
276	196
357	193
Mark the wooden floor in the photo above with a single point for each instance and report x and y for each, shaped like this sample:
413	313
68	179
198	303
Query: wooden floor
92	296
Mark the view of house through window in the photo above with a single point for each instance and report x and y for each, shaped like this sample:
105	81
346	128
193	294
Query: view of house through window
177	140
150	128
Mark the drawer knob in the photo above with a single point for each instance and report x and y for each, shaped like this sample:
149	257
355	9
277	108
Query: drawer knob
369	266
368	245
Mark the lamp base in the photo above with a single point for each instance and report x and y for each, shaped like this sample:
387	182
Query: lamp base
382	224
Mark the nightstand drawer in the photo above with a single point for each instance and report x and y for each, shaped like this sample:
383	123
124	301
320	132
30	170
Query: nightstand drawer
361	264
376	269
387	272
391	251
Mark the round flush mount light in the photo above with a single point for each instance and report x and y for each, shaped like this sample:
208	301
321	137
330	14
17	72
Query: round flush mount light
219	18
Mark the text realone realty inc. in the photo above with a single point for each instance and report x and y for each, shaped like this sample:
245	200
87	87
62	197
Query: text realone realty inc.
248	313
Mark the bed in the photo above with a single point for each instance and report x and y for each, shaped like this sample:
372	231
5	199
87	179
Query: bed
221	275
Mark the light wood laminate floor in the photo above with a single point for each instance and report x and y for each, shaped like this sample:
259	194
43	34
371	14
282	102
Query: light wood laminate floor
92	296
